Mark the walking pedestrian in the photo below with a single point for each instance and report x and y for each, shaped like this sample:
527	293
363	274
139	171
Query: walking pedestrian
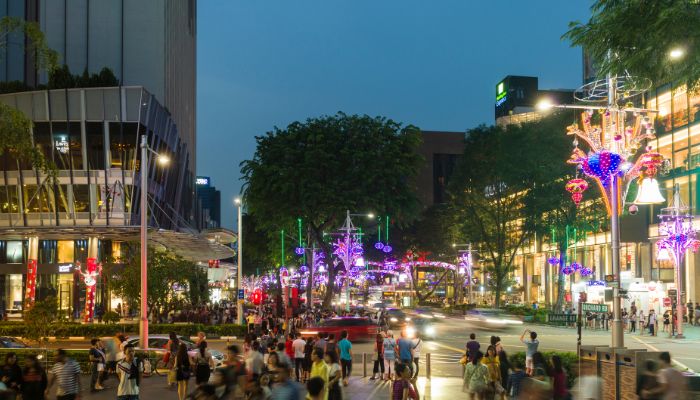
648	382
334	376
183	371
415	352
389	346
472	347
532	345
97	365
12	373
66	374
172	346
320	369
345	348
672	383
560	390
633	321
129	371
405	356
404	387
298	347
475	379
515	379
494	376
651	322
378	357
34	379
204	363
667	321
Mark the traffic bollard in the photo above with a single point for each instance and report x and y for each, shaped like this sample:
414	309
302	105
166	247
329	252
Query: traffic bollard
364	365
427	365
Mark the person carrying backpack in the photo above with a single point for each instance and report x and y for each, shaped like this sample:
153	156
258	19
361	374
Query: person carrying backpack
204	363
129	371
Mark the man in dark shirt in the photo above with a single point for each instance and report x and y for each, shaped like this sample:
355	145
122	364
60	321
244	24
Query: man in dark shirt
472	347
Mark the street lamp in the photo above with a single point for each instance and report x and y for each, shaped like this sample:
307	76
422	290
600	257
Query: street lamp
676	53
612	147
162	160
239	278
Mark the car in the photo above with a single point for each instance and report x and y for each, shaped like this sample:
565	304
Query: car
397	319
429	313
8	342
425	327
160	342
358	328
491	319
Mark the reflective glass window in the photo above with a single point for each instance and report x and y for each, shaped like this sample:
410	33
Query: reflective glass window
66	251
81	198
14	251
94	136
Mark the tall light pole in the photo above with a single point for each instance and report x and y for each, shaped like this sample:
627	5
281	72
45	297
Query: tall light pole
609	160
163	160
239	278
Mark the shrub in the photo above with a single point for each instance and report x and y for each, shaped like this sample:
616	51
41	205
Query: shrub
64	330
569	361
110	317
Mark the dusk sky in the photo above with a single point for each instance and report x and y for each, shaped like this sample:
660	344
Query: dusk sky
434	64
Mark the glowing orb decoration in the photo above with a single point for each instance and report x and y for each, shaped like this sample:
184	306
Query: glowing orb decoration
602	165
576	266
379	245
387	249
553	260
567	270
299	251
585	271
576	187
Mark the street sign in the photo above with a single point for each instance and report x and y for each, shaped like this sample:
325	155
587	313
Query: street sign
241	294
610	278
667	302
562	318
672	293
597	308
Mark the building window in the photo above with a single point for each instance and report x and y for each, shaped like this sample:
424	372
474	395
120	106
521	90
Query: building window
8	196
47	251
123	140
81	198
81	250
66	251
14	252
95	142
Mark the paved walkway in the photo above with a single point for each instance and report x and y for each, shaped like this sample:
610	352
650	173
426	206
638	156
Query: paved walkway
360	388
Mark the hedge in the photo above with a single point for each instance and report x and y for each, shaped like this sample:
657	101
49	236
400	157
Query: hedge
48	356
98	330
569	361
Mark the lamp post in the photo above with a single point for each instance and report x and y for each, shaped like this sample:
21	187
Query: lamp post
239	268
612	147
163	160
348	248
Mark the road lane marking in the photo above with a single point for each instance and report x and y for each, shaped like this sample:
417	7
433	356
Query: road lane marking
655	349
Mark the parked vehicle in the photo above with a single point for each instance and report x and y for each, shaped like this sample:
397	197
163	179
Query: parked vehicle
160	342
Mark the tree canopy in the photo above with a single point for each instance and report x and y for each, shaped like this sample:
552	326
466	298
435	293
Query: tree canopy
640	34
506	181
318	169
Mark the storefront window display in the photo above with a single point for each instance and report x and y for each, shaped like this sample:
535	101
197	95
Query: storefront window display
14	292
66	251
15	252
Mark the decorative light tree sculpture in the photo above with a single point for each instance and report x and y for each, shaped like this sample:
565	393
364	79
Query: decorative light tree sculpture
678	236
613	144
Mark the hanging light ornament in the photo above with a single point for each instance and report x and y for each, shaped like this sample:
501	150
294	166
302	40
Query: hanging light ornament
553	260
567	270
585	271
576	266
576	187
379	245
387	249
299	251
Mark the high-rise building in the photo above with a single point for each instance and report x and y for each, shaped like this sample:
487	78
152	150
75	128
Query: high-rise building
145	43
92	135
517	98
441	151
209	201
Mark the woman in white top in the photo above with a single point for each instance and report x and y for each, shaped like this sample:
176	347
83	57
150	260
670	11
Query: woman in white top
334	375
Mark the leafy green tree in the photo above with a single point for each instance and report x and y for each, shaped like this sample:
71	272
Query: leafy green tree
639	34
167	273
507	180
15	127
318	169
39	317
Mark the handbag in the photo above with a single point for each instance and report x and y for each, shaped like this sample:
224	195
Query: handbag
100	367
463	360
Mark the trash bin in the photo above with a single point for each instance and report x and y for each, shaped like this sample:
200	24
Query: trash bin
630	364
607	370
588	359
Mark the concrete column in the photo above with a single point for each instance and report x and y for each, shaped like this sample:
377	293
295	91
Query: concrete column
33	252
93	248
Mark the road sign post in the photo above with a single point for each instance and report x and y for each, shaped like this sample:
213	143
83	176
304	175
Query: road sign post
596	308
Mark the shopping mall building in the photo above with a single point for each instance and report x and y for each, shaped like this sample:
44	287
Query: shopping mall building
645	275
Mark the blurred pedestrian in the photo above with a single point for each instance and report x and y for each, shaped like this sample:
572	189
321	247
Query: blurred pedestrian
405	356
298	346
506	367
475	379
320	369
472	347
315	387
559	388
415	352
648	382
651	323
204	363
491	361
672	383
97	365
515	378
34	379
334	376
172	347
389	347
404	387
66	374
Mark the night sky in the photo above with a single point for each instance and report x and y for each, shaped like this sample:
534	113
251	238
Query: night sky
434	64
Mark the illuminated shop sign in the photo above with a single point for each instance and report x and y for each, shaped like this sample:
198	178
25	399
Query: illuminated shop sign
61	145
65	267
202	180
501	93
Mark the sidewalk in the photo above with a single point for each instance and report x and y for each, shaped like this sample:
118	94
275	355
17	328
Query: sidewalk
360	388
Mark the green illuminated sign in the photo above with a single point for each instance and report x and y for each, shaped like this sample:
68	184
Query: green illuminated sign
500	91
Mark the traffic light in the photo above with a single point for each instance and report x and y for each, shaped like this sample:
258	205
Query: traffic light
257	297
